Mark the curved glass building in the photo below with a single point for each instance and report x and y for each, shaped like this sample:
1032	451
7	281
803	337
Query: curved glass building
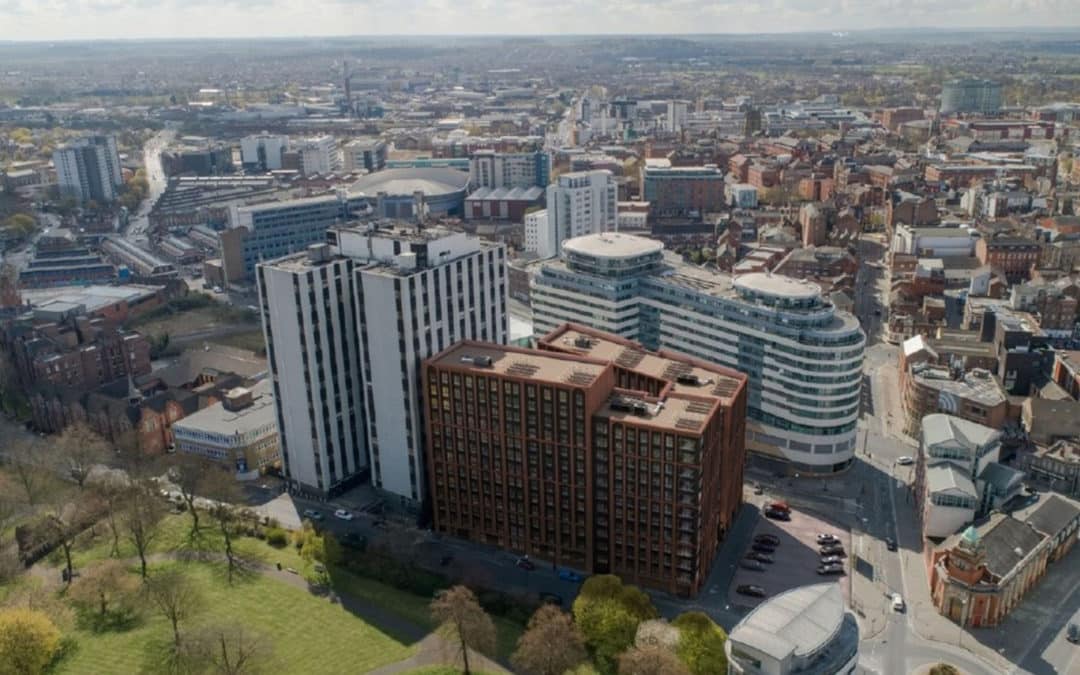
802	355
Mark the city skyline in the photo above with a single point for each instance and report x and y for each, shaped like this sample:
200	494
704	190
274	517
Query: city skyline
139	19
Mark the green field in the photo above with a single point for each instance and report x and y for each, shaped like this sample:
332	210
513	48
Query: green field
306	633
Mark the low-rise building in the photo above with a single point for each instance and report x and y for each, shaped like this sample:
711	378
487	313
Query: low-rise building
1056	465
239	431
927	388
804	631
1012	256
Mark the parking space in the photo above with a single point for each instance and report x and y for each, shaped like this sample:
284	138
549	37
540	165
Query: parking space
795	559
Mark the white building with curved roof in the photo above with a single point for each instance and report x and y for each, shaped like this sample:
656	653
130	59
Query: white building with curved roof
806	630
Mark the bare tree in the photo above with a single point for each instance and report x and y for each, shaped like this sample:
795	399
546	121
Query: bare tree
79	449
188	472
229	649
66	517
10	509
175	598
223	492
140	517
106	588
549	626
111	487
463	622
28	462
650	660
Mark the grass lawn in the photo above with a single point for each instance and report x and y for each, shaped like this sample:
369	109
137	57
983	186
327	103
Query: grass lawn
438	670
251	340
307	633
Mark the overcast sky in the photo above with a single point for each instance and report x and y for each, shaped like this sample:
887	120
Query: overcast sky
74	19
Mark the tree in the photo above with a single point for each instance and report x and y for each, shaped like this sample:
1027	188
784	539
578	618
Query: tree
111	488
79	448
549	626
944	669
701	643
141	515
28	642
188	472
657	633
22	224
175	598
228	649
65	519
608	614
650	661
463	623
28	466
108	591
222	490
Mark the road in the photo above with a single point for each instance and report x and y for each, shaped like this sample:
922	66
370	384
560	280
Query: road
21	256
155	176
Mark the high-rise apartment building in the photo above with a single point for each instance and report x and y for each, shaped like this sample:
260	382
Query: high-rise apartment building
319	155
263	152
802	355
491	169
347	324
89	169
578	203
970	96
590	452
682	191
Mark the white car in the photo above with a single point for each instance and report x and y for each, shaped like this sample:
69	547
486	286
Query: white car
343	514
905	460
897	603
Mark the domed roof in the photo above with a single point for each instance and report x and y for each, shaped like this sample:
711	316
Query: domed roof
432	182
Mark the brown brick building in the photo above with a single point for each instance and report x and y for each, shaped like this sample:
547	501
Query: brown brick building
1012	256
589	452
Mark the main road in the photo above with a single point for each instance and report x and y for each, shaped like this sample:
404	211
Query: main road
155	176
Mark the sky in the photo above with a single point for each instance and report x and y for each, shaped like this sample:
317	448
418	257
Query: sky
94	19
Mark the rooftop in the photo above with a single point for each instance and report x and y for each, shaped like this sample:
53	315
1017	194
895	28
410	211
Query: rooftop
940	428
216	419
977	385
943	477
778	285
612	245
797	622
485	358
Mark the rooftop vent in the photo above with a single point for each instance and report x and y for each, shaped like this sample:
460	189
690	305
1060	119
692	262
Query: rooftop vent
582	342
480	361
688	378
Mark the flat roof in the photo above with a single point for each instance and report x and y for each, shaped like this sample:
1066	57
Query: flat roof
92	297
778	285
216	419
612	245
536	365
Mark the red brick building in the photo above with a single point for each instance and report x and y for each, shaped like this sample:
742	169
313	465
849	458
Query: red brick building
1012	256
589	452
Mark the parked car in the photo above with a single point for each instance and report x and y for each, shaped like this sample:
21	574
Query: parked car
890	543
777	514
751	590
1073	632
898	603
826	539
312	514
758	490
446	560
830	569
569	575
751	565
831	560
342	514
525	564
760	557
551	599
761	547
354	541
905	460
779	506
832	549
770	539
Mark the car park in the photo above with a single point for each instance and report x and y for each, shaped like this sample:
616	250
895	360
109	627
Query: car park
342	514
748	564
770	539
898	603
751	590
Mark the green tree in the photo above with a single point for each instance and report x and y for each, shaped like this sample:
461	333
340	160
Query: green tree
608	614
28	642
21	224
701	643
549	626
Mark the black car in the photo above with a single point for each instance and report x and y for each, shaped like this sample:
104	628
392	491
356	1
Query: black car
751	590
525	564
835	549
551	599
890	543
446	560
749	564
761	547
770	539
760	557
355	541
777	514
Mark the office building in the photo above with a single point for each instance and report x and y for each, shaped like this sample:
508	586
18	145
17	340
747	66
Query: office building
804	631
263	152
590	452
682	191
741	195
490	169
970	96
347	325
88	169
802	355
536	239
579	203
677	115
318	155
240	431
365	154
